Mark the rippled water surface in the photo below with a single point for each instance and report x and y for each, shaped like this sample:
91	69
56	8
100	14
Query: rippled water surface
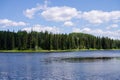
83	65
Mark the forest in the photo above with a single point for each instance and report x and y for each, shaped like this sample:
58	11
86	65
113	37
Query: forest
23	40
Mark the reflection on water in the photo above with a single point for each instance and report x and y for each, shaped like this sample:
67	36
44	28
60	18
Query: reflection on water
78	59
84	65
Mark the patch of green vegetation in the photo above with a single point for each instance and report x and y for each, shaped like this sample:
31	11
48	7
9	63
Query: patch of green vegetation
22	41
68	50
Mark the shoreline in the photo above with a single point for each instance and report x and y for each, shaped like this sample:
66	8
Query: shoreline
45	51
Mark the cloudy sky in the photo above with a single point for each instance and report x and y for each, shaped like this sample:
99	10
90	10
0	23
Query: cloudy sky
97	17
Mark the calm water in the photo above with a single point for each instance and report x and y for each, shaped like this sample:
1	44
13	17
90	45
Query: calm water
60	66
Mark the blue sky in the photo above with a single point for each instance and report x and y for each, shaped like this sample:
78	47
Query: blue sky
97	17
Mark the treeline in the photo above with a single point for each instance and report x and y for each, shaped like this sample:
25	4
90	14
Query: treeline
22	40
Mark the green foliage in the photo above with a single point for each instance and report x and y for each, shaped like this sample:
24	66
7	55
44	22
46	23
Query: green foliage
22	40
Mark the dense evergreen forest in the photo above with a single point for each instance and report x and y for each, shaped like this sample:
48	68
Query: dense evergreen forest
22	40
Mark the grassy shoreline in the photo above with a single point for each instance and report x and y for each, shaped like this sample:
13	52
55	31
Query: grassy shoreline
70	50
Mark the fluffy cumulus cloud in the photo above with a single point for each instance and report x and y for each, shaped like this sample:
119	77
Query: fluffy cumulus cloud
60	13
99	32
42	28
29	13
68	23
7	22
112	26
65	13
98	17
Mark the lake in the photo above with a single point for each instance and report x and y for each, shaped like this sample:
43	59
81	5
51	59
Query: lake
82	65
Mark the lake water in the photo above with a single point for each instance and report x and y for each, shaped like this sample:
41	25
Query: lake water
83	65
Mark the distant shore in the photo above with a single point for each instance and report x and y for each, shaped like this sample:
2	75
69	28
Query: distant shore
70	50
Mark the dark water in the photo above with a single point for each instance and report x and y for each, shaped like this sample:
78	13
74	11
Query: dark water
84	65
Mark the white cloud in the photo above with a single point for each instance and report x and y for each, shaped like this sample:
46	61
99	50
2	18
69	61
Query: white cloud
7	22
99	32
31	12
68	23
65	13
112	26
42	28
60	13
76	30
98	17
86	30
